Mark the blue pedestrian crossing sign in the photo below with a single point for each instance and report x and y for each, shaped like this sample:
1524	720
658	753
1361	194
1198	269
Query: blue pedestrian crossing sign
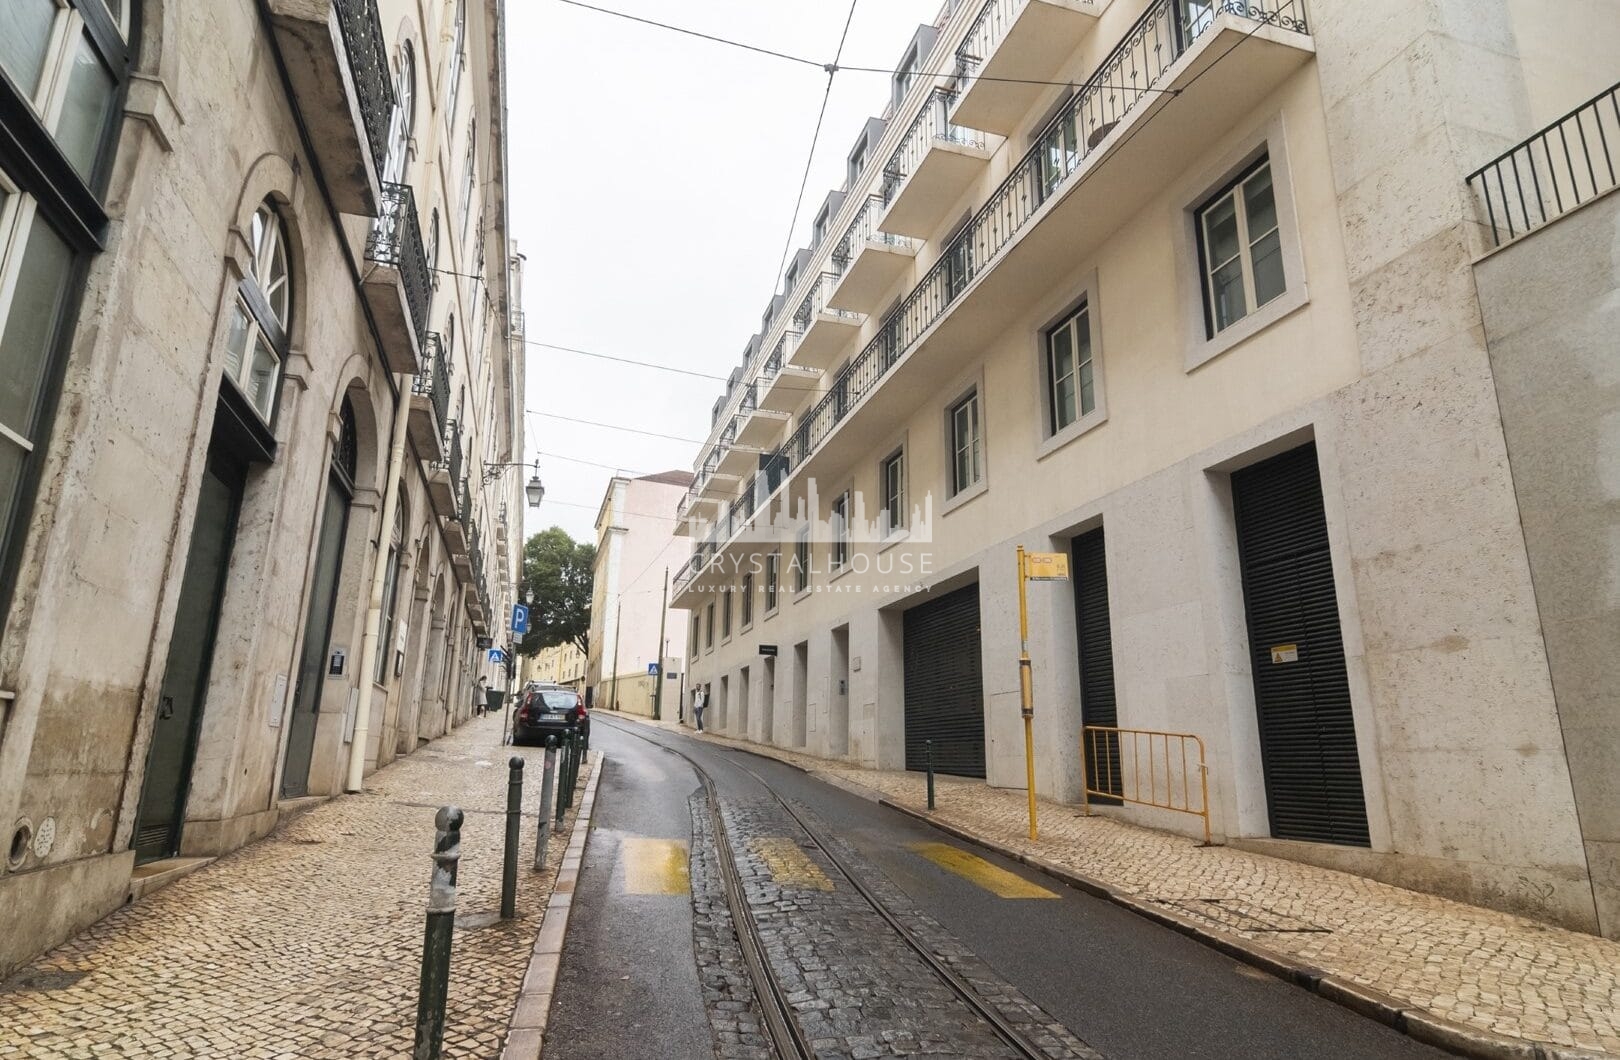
496	655
520	619
652	669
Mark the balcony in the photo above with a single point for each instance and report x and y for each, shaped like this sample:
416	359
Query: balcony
1011	47
781	385
734	458
712	483
824	332
929	171
430	401
868	261
1124	147
445	474
396	283
337	59
758	427
460	535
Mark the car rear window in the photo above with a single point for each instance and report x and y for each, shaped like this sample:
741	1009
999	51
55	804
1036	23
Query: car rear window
559	700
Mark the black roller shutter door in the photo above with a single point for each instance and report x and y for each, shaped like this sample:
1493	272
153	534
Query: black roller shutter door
1095	632
1302	693
945	684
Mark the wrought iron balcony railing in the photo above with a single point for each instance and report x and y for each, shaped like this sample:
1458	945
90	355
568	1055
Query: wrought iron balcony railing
1128	75
452	452
863	229
363	39
932	123
815	304
464	505
1564	165
396	241
475	553
433	380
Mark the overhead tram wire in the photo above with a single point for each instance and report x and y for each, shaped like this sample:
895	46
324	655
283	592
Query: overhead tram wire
612	426
696	33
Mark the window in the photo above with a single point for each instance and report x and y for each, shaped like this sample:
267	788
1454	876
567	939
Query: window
905	76
433	249
725	614
773	563
840	531
1070	382
894	493
696	641
708	632
1240	249
403	120
747	600
458	59
256	338
966	444
381	670
801	561
468	173
857	162
818	230
1059	153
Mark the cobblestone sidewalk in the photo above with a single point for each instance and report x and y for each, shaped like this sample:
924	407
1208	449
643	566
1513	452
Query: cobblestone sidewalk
1485	970
305	945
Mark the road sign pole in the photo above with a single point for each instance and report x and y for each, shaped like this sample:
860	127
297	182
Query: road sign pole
658	689
1026	690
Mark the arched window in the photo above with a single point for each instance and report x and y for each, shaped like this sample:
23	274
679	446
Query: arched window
346	457
64	65
433	249
403	121
469	176
458	59
256	342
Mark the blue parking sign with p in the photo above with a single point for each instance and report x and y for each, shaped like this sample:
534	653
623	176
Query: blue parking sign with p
520	619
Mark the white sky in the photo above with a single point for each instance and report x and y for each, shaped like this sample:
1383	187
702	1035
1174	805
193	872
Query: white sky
653	176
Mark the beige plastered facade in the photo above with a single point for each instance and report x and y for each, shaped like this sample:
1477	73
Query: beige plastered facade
1376	352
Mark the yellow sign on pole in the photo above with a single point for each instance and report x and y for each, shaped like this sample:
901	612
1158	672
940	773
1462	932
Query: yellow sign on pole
1046	566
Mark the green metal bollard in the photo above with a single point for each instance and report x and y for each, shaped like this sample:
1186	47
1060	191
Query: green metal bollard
548	775
562	779
514	821
434	986
929	744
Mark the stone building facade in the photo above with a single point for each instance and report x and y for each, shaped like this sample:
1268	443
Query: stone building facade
258	288
1186	292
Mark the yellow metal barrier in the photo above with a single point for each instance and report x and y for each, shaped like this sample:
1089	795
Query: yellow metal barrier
1112	774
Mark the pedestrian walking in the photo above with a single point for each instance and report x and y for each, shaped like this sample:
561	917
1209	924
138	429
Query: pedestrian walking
697	708
480	700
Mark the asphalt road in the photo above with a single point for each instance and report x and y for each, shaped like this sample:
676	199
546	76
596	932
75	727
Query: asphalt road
1125	986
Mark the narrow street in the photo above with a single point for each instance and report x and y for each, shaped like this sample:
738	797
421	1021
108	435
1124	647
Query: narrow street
1071	975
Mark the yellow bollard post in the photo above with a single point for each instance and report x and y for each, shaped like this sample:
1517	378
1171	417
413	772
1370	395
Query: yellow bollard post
1026	689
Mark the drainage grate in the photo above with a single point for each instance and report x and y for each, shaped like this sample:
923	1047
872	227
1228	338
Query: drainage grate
1240	915
48	979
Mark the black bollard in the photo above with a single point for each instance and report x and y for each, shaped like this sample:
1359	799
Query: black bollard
562	778
514	821
434	986
930	746
546	777
573	770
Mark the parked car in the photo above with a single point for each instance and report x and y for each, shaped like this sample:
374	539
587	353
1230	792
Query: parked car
547	712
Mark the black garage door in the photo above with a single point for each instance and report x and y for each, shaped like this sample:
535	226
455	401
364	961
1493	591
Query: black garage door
945	684
1302	695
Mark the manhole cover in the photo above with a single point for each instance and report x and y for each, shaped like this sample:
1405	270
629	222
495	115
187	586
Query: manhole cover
50	979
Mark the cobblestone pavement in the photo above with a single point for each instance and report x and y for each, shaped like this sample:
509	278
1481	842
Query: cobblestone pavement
306	944
1487	970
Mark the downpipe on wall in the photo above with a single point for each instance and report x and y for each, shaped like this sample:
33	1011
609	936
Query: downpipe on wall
379	581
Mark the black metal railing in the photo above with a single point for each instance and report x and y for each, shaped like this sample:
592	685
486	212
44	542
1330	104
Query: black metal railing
932	124
396	241
815	304
452	453
363	39
863	228
433	380
475	553
464	505
1564	165
1129	74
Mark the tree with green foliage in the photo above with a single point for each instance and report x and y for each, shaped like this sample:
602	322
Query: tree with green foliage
556	584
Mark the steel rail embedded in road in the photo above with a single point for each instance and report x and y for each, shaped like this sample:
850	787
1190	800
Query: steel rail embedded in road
773	1000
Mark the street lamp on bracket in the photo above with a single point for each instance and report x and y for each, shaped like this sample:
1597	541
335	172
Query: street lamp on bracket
535	490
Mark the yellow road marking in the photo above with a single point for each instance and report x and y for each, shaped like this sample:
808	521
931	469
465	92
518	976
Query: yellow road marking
790	866
655	866
974	869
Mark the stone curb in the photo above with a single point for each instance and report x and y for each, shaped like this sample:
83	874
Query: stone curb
528	1025
1362	1000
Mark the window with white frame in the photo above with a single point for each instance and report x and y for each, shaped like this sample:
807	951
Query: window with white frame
773	565
801	560
66	57
839	517
894	492
403	119
256	338
967	444
1240	248
1071	386
458	59
905	76
468	173
747	600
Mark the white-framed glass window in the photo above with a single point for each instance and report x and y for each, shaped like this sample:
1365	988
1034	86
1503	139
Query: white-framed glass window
458	59
1240	249
1071	384
403	120
801	560
468	173
893	473
381	670
905	76
967	444
773	573
839	517
747	600
256	336
59	54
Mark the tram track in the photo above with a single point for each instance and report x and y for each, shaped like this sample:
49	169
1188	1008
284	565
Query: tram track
787	1037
